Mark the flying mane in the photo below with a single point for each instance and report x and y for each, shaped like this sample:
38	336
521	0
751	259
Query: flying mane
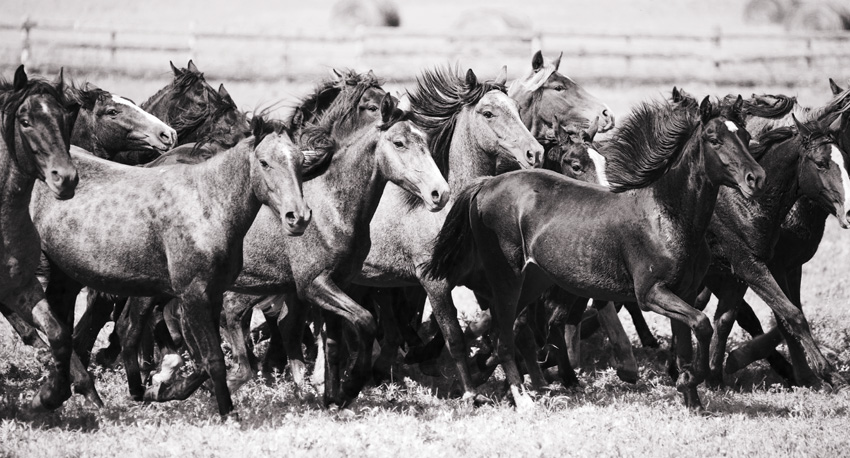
351	83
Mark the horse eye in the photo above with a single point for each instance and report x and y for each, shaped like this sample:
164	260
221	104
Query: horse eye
559	88
264	164
112	112
398	144
373	108
577	168
487	114
24	123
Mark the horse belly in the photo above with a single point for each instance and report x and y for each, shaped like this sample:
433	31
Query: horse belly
265	262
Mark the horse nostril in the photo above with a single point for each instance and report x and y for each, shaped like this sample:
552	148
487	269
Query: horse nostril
435	196
530	156
165	137
290	218
605	113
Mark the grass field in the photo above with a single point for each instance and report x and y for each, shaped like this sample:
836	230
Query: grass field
754	416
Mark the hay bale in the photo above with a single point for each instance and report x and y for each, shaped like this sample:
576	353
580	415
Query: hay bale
349	14
768	11
824	16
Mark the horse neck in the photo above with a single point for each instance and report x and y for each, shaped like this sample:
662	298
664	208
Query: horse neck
227	181
15	193
83	134
685	194
525	104
467	159
158	104
353	185
781	186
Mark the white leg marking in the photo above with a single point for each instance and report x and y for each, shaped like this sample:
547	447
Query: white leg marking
170	363
731	126
599	163
838	158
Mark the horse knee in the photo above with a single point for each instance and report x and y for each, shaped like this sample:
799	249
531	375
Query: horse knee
703	330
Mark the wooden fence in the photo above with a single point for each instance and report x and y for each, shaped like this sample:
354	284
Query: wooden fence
398	54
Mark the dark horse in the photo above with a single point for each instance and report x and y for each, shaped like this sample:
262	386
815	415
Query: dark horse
37	119
198	112
529	230
174	230
798	239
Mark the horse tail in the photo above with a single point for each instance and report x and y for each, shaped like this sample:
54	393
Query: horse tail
454	247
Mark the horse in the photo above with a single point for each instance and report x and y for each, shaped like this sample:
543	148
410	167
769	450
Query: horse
174	230
799	163
798	240
361	93
470	124
107	125
643	242
198	112
315	267
37	119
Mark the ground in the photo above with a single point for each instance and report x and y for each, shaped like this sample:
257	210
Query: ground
413	416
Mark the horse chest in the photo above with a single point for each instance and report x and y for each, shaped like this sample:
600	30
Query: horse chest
20	254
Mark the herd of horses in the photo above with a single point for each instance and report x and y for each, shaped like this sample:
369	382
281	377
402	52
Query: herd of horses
184	214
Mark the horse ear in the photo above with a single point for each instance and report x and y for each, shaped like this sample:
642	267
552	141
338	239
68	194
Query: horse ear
371	75
224	94
677	96
591	131
336	75
192	68
705	110
537	61
403	101
471	79
177	71
20	79
59	81
835	127
557	62
387	108
738	106
836	89
801	128
502	78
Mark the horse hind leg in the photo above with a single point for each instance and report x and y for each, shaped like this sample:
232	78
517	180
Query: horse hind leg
236	310
99	308
647	338
27	332
293	316
527	344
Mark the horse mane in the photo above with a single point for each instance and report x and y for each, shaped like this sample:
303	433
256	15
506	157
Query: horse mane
327	91
648	143
770	139
181	83
200	119
87	95
435	103
11	100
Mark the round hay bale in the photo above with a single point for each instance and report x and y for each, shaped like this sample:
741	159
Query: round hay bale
768	11
825	16
492	21
349	14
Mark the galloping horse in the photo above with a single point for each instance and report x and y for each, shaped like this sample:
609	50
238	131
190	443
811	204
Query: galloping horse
644	242
37	119
798	240
174	230
470	125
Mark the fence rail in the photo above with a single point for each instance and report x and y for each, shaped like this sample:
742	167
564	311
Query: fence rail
294	55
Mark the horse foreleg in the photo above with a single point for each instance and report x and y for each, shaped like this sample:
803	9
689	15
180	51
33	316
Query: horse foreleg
661	300
627	369
324	293
762	346
28	333
647	338
290	324
29	303
235	310
200	316
729	294
130	326
97	314
527	344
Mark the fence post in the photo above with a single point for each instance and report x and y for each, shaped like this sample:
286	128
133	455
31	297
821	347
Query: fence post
113	45
536	42
718	37
26	49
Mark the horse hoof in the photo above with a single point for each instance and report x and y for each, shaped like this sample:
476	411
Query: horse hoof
627	375
154	393
683	383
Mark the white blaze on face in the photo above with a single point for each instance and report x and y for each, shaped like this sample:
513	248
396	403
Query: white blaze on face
731	126
838	158
151	118
599	164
